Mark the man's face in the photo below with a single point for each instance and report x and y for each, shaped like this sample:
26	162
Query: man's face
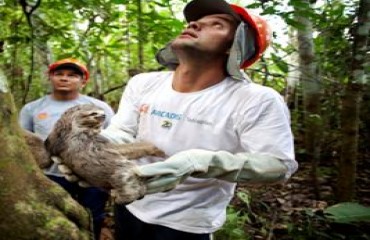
66	80
211	34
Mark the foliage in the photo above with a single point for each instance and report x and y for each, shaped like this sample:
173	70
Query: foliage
348	212
103	34
311	225
249	217
319	225
233	229
245	218
107	35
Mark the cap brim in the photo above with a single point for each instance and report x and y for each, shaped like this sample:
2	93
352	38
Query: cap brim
70	66
197	9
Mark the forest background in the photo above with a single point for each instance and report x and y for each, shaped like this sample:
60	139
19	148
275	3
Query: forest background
321	67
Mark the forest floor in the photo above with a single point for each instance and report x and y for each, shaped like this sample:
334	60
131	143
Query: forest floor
272	210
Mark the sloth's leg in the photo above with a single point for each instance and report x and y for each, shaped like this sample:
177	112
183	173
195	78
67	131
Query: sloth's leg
139	149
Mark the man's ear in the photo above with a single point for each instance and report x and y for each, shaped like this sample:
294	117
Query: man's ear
83	83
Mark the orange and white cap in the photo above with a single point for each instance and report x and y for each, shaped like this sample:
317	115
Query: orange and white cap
70	63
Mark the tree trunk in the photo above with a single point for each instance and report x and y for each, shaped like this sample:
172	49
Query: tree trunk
140	39
351	104
98	78
31	206
311	95
349	140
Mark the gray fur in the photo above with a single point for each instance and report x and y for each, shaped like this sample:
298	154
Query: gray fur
76	140
36	145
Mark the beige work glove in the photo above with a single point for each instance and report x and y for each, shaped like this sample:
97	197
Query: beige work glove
240	167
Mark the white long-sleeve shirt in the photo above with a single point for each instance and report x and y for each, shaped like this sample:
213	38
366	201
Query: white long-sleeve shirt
234	116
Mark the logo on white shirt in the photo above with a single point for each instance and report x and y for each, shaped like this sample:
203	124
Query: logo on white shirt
168	115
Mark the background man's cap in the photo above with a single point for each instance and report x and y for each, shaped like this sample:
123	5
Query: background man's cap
70	63
197	9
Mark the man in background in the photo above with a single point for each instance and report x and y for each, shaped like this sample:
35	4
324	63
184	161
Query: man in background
67	77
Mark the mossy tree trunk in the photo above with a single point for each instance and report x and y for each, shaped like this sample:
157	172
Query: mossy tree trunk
31	206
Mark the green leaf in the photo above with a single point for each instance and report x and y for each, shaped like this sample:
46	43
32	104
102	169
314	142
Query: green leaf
270	10
294	23
299	4
244	197
282	65
348	212
119	1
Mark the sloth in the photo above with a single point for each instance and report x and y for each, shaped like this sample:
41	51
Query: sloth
75	139
38	150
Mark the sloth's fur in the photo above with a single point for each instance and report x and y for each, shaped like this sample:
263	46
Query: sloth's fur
75	139
36	145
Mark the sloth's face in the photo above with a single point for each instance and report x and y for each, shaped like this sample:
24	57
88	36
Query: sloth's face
87	117
93	119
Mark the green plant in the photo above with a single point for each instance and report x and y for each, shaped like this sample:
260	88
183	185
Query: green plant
233	229
347	221
348	212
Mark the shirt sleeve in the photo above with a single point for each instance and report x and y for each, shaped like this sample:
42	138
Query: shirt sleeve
109	113
124	124
265	129
26	119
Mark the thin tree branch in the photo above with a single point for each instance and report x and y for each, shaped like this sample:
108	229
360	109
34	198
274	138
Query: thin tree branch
28	10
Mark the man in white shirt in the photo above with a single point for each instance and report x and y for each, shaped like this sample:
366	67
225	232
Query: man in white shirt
217	127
